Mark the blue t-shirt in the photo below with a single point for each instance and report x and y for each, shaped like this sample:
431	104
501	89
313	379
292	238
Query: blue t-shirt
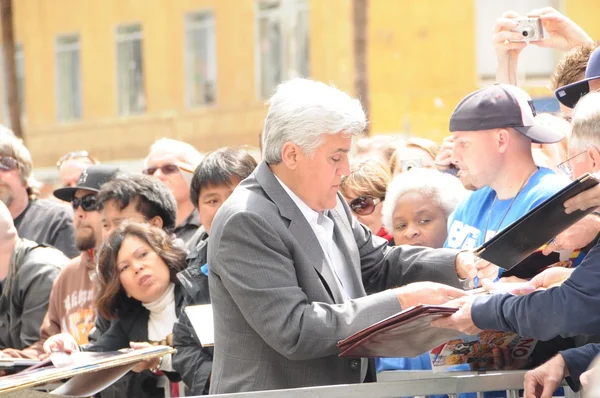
471	218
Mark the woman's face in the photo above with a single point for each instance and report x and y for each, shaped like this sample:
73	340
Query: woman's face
142	272
373	220
419	221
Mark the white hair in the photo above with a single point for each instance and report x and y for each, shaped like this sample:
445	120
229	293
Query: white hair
180	149
445	190
302	110
586	122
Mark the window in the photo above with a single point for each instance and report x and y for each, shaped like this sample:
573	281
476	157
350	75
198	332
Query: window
282	48
200	59
68	78
130	74
20	69
534	62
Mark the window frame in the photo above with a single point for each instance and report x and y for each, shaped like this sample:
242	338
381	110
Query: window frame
189	26
124	38
65	49
283	11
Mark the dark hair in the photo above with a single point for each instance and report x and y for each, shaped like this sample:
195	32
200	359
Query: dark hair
112	298
151	197
219	167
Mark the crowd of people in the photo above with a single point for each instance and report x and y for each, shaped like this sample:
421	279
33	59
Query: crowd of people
316	240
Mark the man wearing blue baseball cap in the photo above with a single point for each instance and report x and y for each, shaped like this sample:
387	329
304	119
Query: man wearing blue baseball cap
570	94
493	129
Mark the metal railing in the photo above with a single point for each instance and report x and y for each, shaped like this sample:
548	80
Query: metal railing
411	383
394	384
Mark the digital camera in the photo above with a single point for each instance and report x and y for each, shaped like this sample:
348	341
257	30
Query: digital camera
530	29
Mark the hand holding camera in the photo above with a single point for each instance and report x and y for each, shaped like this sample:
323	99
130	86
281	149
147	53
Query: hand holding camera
512	32
544	27
562	33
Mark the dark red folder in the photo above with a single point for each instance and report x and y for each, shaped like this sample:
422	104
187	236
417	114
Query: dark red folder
406	334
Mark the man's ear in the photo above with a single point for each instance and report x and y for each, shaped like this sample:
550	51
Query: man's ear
156	221
502	140
594	155
290	154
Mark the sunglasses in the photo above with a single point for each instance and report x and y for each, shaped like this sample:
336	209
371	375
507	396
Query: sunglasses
87	202
165	169
8	164
75	155
364	205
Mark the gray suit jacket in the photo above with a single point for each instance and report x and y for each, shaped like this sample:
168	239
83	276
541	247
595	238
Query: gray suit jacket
278	311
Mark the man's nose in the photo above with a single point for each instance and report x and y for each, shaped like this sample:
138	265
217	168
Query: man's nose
344	167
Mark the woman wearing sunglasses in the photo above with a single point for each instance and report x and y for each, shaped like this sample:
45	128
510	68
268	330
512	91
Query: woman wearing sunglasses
139	291
364	191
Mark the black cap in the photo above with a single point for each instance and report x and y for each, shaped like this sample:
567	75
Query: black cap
92	178
570	94
501	106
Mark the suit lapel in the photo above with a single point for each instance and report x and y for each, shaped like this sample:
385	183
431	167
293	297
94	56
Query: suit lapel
344	239
300	229
305	236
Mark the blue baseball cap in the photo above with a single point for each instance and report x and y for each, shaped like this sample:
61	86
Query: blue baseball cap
501	106
570	94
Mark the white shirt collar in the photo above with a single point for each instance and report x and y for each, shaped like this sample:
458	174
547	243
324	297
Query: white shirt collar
308	213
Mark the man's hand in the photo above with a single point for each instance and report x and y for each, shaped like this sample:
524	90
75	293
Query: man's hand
583	201
486	270
563	34
551	277
542	381
576	236
465	265
546	279
461	320
426	293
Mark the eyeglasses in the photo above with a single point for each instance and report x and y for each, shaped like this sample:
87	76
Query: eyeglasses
364	205
75	155
567	166
8	164
87	202
165	169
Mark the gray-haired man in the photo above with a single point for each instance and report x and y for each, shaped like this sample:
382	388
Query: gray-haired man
290	267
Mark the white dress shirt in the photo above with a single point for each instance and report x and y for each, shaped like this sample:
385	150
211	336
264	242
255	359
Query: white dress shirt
323	227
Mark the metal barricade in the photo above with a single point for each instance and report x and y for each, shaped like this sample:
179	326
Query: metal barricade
410	383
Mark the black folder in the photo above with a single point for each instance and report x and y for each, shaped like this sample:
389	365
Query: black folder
511	247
